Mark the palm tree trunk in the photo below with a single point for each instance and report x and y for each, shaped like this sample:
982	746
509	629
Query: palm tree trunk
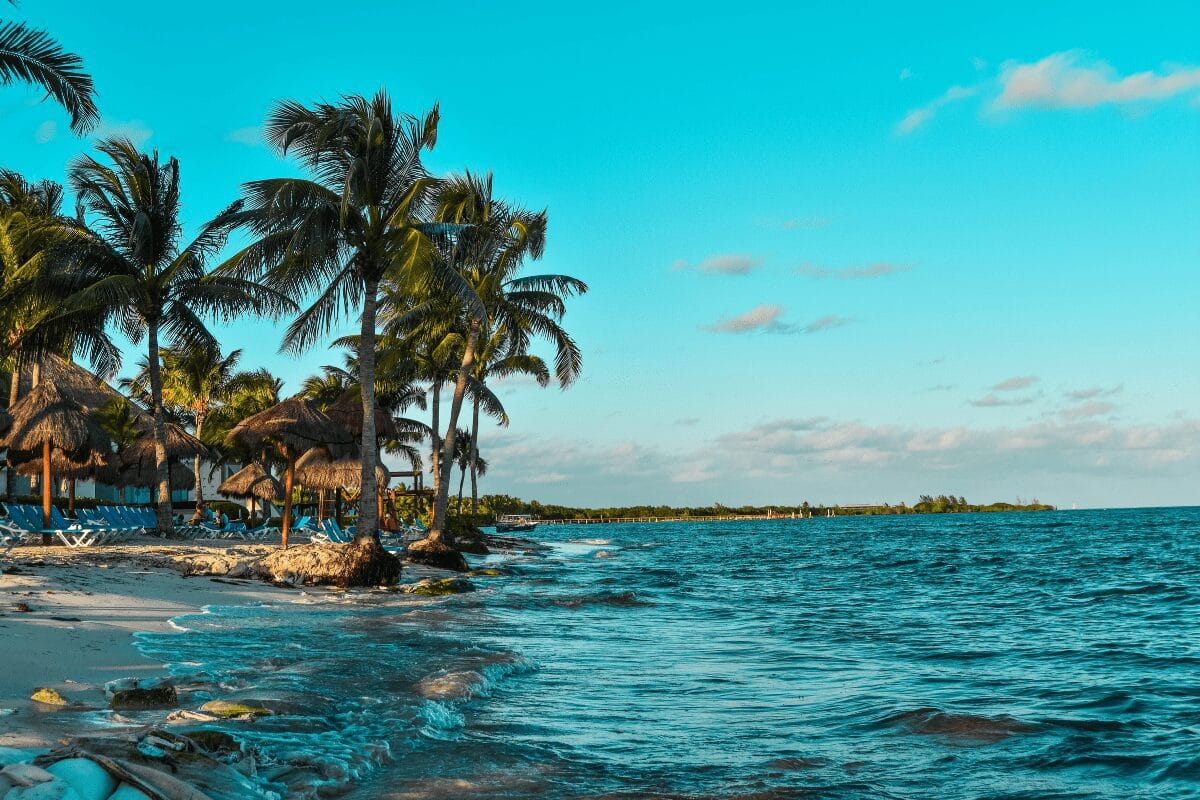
14	392
474	458
462	478
289	480
162	478
196	464
71	497
438	524
46	490
368	510
435	458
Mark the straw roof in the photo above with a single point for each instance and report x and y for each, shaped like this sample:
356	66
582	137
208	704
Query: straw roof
347	411
182	477
251	481
296	425
46	415
91	465
316	471
180	444
71	379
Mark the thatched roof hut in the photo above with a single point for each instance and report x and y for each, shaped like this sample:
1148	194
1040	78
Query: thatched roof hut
47	415
315	470
182	478
347	411
92	465
71	379
295	425
180	445
252	481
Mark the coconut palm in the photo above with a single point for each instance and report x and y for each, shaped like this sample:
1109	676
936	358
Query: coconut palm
33	56
488	253
195	380
341	233
154	284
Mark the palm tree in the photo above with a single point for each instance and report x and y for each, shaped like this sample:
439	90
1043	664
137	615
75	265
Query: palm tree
492	246
120	420
195	380
32	56
342	233
153	284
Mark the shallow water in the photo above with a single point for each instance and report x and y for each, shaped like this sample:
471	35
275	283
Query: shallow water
1051	655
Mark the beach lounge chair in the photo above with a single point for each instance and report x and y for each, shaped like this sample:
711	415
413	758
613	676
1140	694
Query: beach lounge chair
104	533
28	520
332	533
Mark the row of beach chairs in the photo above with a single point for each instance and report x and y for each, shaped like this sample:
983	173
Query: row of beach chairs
22	524
230	530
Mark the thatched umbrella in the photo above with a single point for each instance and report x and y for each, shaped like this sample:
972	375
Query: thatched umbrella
316	470
295	427
180	478
254	482
347	411
94	465
44	420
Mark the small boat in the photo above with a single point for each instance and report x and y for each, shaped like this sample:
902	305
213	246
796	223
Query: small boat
515	523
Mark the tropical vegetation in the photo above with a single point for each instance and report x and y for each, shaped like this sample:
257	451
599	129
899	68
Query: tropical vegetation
430	269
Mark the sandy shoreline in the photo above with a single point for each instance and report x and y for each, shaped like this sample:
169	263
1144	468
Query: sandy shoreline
85	606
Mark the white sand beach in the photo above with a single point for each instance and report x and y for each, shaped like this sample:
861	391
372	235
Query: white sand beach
84	607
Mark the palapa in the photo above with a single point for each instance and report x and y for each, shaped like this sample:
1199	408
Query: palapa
252	481
315	470
180	444
44	421
295	427
347	411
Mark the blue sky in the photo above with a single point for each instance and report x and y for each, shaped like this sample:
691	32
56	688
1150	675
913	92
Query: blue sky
835	255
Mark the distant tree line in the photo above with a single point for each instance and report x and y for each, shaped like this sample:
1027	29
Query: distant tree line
494	505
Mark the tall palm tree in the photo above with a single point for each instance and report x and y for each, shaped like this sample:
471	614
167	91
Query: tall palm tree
195	380
32	56
154	283
341	233
492	245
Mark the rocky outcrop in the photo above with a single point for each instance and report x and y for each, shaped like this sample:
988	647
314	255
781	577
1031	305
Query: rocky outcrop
234	709
432	553
439	586
131	695
49	697
363	562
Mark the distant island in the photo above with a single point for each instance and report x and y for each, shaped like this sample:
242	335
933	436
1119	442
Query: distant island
494	505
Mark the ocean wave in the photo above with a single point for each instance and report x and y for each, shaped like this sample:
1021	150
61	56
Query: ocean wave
626	599
929	721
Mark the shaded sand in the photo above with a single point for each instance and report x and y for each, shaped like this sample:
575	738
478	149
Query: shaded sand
85	606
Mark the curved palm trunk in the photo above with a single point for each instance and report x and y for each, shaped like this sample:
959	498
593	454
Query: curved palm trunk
368	509
438	524
162	478
474	459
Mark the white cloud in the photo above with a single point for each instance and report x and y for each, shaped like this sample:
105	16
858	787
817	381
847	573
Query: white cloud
251	136
878	270
135	130
1093	392
991	400
46	132
1015	383
919	116
1092	408
761	317
1065	80
826	459
727	264
826	323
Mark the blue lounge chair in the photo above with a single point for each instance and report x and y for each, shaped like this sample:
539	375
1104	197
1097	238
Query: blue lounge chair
28	520
332	532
